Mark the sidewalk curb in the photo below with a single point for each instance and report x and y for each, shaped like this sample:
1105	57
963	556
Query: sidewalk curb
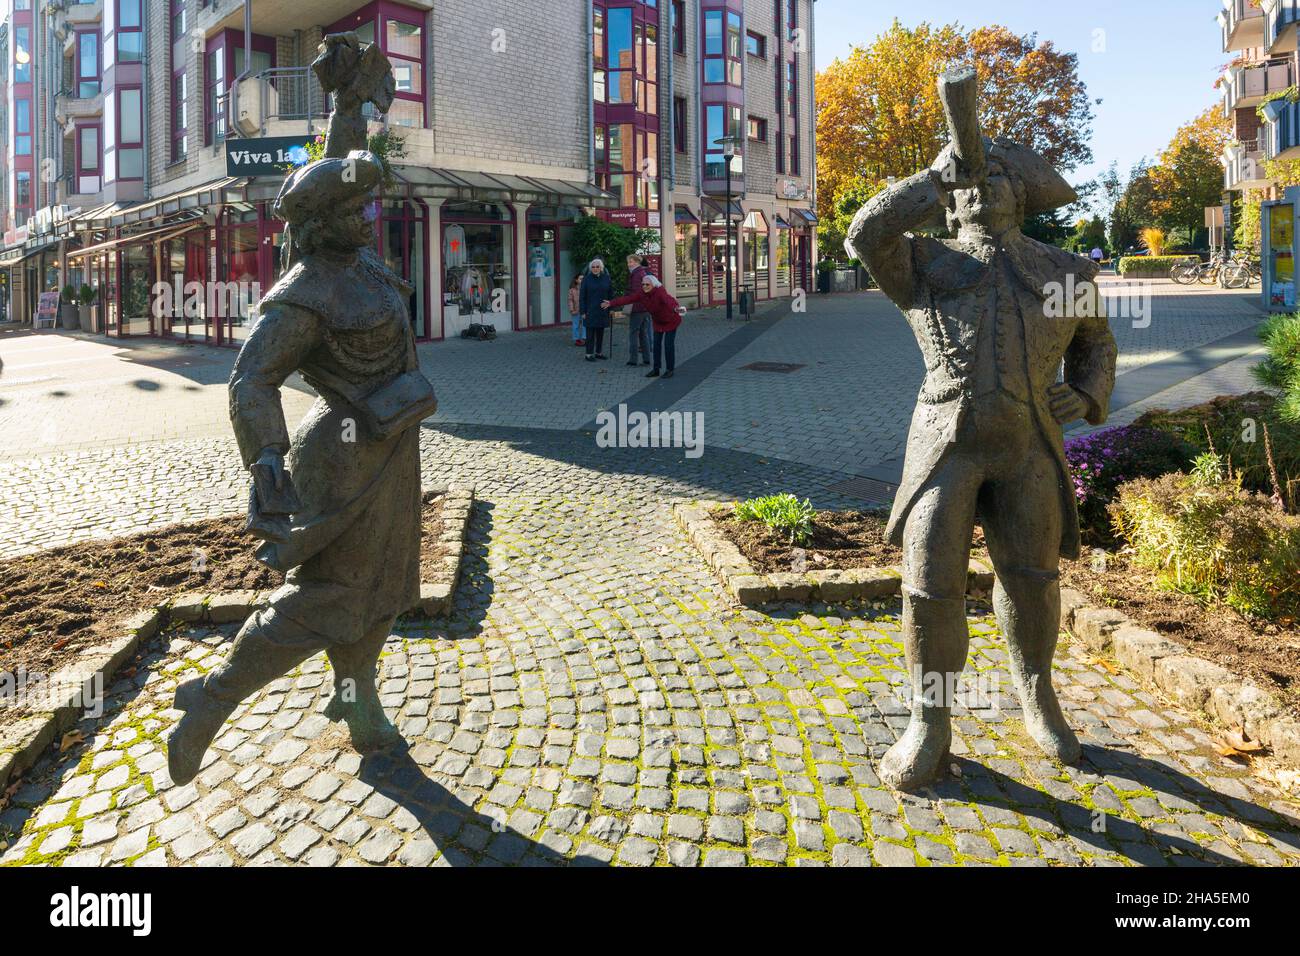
1202	686
23	743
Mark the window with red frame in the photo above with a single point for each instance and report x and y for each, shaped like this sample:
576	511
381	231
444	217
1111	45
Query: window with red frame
679	123
88	44
679	26
129	31
180	118
400	34
130	133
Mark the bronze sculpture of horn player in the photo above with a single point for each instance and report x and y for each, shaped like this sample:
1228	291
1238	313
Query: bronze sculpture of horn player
986	440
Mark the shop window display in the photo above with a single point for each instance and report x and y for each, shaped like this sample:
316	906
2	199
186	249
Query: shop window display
477	270
688	258
137	281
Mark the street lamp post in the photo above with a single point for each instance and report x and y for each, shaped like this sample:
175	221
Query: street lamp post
728	153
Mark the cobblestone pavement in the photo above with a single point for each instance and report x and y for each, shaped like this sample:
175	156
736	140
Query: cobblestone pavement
593	700
111	491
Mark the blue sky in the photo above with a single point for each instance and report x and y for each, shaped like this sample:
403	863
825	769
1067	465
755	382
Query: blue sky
1156	72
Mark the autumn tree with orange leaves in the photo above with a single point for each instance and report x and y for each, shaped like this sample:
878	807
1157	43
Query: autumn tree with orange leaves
1188	176
879	115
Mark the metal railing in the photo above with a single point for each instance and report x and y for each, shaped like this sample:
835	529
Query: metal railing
284	94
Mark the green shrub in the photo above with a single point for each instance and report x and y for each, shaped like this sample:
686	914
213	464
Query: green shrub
1280	370
86	295
69	294
1235	425
782	514
1148	265
1203	535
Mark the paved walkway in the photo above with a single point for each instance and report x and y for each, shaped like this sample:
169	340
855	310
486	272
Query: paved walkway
846	407
594	700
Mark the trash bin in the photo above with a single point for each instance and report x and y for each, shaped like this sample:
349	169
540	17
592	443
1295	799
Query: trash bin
747	300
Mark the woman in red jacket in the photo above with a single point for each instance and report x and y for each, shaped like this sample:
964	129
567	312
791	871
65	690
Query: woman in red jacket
665	315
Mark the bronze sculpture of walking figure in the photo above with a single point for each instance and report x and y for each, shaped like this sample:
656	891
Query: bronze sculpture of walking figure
338	506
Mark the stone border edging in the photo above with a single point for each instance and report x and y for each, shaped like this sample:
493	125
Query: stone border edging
24	741
830	586
1202	686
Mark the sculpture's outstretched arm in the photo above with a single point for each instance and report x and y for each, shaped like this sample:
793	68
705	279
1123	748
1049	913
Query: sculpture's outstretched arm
282	338
878	235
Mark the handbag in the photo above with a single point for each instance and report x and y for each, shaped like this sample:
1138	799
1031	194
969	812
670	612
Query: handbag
405	401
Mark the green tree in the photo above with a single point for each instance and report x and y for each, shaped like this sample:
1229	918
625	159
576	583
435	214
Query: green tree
879	115
596	238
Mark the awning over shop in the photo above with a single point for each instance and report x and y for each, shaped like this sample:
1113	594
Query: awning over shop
682	214
807	215
779	223
714	210
228	189
422	182
152	235
11	257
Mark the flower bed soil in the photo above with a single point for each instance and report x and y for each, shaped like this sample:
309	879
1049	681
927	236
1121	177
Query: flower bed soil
840	540
1267	652
55	603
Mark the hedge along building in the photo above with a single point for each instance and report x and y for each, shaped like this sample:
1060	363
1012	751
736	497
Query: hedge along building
514	119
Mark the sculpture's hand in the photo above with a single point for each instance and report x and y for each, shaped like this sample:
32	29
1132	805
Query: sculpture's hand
1067	403
950	171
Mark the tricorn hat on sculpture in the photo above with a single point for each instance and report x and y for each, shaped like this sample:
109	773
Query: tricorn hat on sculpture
319	186
1045	188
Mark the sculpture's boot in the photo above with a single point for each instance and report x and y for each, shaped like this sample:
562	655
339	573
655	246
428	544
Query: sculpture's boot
1028	608
254	661
356	694
936	639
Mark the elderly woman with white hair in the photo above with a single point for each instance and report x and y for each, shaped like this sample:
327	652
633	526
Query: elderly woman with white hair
593	296
665	316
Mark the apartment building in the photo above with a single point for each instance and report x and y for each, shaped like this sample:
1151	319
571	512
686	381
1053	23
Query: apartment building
159	131
1261	69
1260	100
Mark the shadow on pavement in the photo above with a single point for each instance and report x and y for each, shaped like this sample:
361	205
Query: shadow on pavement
465	836
1144	845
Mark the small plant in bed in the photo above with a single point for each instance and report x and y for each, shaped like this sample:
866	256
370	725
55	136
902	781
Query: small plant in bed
783	514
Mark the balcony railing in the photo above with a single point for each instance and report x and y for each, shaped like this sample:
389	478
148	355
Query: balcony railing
1242	24
1243	165
1248	86
282	94
1280	18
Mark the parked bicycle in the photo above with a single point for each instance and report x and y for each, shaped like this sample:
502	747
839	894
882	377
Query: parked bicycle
1192	270
1240	272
